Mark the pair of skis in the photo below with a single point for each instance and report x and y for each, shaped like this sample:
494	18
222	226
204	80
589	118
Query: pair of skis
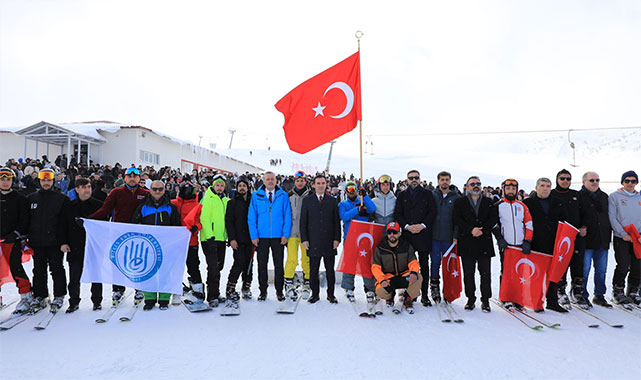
630	308
523	316
590	319
126	317
16	319
446	312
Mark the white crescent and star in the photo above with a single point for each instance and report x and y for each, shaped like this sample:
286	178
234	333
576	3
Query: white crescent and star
349	95
566	240
527	262
365	235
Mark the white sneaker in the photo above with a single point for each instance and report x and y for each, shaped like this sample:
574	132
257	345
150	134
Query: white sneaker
175	299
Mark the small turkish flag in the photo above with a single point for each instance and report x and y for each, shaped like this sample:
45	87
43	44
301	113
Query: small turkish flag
358	248
5	253
634	234
452	279
323	107
524	277
563	250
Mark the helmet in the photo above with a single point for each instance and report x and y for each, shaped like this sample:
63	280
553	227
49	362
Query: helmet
510	182
218	178
7	173
187	191
47	174
384	178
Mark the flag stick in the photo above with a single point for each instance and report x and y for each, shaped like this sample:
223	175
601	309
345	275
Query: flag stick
358	35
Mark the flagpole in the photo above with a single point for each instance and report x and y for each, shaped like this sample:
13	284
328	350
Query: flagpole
358	35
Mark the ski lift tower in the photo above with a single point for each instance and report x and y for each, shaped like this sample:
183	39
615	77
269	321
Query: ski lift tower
232	131
329	157
573	149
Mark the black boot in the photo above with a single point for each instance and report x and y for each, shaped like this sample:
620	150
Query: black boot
331	298
619	297
149	304
314	298
633	295
263	295
600	300
471	303
553	305
485	305
435	289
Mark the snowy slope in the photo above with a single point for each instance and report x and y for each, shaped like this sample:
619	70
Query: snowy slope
320	341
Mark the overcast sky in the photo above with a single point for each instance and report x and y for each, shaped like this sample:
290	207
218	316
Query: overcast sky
191	68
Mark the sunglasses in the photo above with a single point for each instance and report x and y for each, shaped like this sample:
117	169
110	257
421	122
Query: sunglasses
350	189
45	175
299	174
414	177
629	181
594	180
132	171
565	178
475	184
392	232
157	189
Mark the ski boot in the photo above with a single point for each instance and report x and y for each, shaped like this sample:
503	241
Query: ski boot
232	295
116	297
633	294
307	290
425	300
37	304
198	291
97	306
56	304
435	289
564	300
349	294
139	296
163	305
23	305
552	305
213	303
149	304
408	304
246	291
290	289
619	297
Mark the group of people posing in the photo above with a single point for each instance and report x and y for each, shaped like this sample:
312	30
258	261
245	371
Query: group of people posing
305	223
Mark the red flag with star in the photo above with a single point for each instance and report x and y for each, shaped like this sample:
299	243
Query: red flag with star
563	250
634	234
5	273
525	279
362	238
452	279
323	107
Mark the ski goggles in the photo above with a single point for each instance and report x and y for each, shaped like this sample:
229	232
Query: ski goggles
132	171
6	173
384	178
299	174
510	182
46	175
350	189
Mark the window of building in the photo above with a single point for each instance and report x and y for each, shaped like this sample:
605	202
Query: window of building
149	157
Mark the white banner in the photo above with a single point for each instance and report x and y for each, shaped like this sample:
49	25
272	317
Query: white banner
149	258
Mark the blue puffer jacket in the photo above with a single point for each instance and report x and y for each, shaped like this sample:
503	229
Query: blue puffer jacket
269	221
348	210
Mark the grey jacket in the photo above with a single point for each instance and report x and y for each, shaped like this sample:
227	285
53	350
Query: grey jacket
443	224
623	210
385	204
296	203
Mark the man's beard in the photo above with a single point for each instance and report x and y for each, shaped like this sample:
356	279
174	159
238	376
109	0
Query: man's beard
510	197
476	192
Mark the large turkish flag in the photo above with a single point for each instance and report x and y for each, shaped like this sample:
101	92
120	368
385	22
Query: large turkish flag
323	107
452	279
524	277
358	248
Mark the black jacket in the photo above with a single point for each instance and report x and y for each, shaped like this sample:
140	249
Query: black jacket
72	233
161	213
320	224
45	217
416	208
570	200
595	218
465	219
14	214
545	224
236	219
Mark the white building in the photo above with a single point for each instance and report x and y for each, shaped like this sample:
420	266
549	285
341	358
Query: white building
107	142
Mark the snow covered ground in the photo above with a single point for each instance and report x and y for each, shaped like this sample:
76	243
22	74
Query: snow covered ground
320	341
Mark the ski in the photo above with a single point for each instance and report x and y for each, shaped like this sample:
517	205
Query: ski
442	315
129	315
539	320
105	317
44	323
231	308
6	305
514	314
582	318
452	313
379	307
360	312
629	310
14	320
615	325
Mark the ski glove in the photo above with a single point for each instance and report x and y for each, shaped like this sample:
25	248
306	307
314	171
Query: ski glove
502	244
362	211
362	192
11	238
526	247
193	229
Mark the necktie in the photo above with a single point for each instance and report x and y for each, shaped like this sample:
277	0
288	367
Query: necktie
320	199
270	197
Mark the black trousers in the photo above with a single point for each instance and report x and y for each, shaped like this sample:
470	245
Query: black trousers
243	260
626	262
264	246
51	257
314	266
423	261
17	270
76	258
193	265
469	269
215	257
552	295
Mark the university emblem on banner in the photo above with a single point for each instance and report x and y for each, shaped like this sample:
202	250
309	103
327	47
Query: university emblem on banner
136	255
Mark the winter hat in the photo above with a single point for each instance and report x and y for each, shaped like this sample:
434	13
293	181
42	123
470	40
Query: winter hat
242	179
629	173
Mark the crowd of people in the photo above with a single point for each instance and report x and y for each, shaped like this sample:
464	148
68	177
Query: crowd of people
305	218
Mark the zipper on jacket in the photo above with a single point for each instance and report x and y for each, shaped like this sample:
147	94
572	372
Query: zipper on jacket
513	222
